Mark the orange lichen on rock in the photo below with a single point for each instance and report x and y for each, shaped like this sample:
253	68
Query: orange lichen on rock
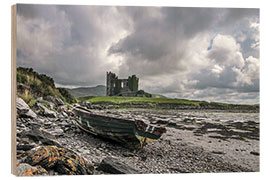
55	158
24	169
28	173
46	156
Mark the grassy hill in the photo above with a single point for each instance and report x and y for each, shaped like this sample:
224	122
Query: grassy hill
99	90
122	100
167	103
31	85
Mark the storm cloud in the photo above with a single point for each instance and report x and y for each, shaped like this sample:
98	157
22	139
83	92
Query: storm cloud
193	53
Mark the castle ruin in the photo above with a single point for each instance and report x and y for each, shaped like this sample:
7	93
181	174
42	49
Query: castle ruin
121	87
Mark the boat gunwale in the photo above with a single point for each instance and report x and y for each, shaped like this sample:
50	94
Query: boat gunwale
83	110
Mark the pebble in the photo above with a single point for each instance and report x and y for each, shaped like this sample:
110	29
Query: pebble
255	153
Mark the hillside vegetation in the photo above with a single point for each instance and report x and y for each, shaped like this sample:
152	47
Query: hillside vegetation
31	85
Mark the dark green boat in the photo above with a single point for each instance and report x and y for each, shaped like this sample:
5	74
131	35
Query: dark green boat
131	133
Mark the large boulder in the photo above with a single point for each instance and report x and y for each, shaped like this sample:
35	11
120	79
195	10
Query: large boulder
113	166
23	109
56	101
47	112
38	136
24	169
60	160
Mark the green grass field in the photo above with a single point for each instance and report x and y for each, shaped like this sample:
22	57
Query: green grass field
155	102
137	100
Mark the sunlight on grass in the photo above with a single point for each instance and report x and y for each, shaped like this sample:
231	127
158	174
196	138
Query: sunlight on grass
137	100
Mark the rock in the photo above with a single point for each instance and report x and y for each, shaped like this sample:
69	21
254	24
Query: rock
56	132
39	136
70	113
218	152
61	116
78	130
40	99
56	101
143	158
172	124
25	147
24	169
49	104
128	154
47	112
113	166
84	151
179	170
87	104
59	101
161	122
64	123
70	163
64	114
34	125
60	160
24	110
75	104
254	153
45	156
62	108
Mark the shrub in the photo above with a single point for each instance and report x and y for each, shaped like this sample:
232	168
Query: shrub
68	97
21	78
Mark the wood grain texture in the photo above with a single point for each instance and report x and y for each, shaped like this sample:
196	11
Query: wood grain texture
13	87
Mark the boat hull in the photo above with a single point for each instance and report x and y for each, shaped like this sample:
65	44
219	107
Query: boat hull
131	133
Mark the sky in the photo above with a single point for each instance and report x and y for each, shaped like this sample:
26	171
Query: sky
209	54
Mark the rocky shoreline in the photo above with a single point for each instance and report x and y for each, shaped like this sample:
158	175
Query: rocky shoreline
49	143
175	106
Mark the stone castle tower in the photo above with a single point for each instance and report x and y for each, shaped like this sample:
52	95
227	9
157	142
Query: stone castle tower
121	87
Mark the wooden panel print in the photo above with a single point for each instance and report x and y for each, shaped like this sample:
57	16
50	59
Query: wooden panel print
134	90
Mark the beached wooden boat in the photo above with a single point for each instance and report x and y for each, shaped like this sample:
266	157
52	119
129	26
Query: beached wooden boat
131	133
